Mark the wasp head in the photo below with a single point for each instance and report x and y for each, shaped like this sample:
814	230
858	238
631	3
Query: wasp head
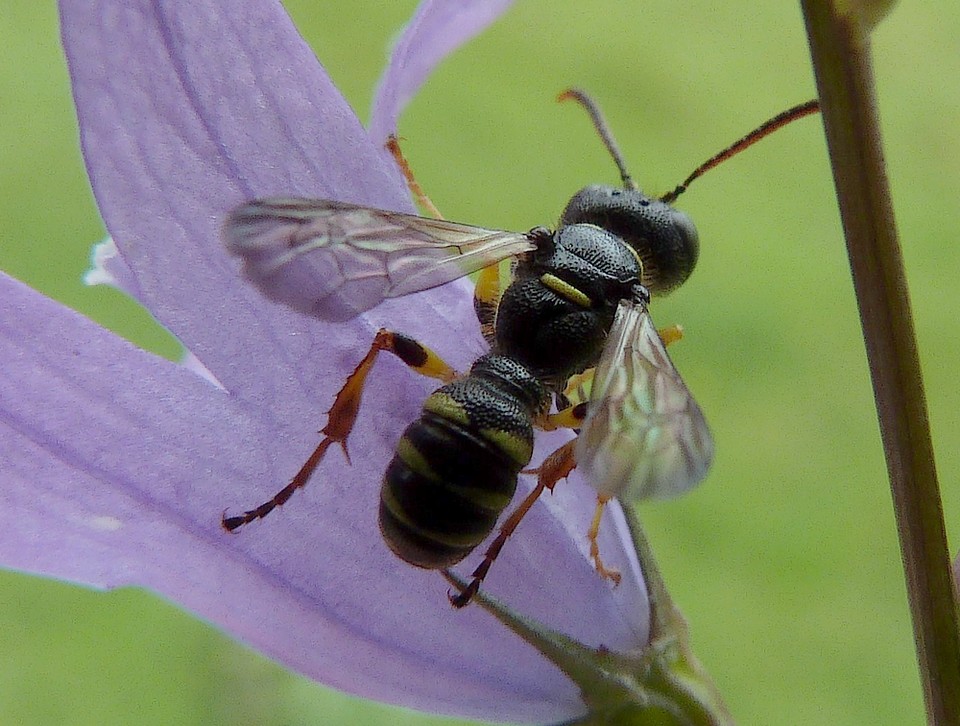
663	237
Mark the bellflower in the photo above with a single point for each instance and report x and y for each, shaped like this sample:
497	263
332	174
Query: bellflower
119	464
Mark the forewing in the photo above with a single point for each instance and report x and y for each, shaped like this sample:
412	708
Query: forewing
644	436
335	260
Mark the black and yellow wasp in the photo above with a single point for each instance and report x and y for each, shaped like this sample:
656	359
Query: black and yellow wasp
577	301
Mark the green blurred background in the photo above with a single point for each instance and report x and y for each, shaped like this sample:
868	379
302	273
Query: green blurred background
786	561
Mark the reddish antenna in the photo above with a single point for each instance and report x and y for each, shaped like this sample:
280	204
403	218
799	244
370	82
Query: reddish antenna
765	129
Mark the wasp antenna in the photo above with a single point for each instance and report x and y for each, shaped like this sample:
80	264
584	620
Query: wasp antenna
600	124
765	129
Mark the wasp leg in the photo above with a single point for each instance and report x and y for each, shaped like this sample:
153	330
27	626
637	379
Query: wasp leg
558	466
549	473
592	534
488	290
575	389
393	146
564	459
555	467
486	298
670	334
343	414
493	551
568	418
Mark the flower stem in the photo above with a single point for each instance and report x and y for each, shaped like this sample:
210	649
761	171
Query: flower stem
840	47
661	684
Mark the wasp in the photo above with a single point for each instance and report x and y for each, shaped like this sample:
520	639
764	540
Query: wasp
575	311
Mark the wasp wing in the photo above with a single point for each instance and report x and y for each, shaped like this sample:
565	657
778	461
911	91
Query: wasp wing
335	260
644	436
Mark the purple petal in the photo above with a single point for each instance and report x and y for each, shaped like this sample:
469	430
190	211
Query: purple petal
437	29
186	113
120	463
107	267
153	460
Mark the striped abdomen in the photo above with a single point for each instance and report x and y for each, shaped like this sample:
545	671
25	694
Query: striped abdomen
455	469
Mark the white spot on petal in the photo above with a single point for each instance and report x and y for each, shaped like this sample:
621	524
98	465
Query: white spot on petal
105	523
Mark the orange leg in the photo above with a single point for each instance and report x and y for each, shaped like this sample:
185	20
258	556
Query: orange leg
554	468
393	146
575	389
487	292
592	534
670	334
558	466
343	413
569	418
493	551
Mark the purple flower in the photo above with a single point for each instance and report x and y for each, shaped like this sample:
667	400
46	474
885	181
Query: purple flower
119	464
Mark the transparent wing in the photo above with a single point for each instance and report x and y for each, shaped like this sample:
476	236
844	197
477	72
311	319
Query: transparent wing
335	260
644	436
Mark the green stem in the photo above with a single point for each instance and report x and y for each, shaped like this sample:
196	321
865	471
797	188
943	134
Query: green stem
840	48
661	685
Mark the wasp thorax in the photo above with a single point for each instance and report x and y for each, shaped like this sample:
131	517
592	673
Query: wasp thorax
663	237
